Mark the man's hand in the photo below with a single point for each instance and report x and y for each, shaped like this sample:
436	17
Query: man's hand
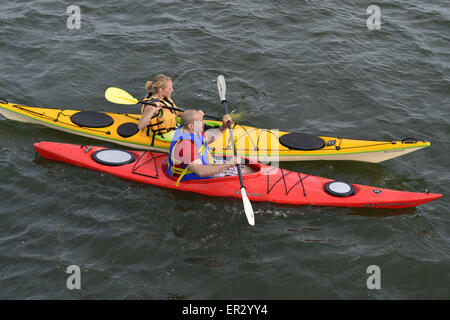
225	120
235	160
239	160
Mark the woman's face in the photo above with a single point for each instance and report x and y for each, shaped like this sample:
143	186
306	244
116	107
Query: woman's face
167	91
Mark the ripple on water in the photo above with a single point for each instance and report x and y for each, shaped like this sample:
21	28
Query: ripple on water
309	67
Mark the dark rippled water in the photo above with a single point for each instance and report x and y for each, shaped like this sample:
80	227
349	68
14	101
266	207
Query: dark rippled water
295	65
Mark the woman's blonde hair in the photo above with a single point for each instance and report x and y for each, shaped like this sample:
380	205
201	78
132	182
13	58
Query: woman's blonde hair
160	81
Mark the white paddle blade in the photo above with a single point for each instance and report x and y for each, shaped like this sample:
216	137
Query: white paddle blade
248	208
222	87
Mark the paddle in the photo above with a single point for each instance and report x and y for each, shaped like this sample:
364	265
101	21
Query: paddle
119	96
247	204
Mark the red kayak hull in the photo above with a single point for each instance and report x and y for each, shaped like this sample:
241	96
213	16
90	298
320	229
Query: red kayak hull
267	184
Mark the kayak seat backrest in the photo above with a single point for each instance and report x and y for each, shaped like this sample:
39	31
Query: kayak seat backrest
302	141
92	119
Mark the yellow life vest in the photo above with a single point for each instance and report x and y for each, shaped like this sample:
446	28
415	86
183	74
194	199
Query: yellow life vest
165	120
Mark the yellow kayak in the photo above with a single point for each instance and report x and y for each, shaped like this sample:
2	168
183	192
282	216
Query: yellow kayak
259	144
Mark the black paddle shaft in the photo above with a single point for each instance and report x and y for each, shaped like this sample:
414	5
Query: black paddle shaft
177	109
232	142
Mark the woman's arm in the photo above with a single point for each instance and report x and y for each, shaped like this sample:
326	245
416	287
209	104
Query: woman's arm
149	112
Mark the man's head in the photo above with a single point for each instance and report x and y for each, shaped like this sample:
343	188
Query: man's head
192	120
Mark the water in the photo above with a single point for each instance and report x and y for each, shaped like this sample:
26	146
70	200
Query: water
293	65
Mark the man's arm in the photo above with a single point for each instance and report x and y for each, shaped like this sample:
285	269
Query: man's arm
208	170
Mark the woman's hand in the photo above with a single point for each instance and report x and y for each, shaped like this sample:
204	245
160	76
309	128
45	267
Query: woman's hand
158	106
148	112
154	107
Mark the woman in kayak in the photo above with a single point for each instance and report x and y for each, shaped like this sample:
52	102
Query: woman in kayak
159	119
189	154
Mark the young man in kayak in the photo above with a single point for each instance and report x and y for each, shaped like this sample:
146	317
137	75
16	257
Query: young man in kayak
189	154
160	120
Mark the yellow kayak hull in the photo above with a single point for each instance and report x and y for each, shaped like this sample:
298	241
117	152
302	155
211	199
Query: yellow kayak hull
260	144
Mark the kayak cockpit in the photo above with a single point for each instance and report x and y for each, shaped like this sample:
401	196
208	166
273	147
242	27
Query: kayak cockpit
255	172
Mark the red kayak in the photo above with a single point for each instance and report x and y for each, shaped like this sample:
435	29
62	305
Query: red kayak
267	183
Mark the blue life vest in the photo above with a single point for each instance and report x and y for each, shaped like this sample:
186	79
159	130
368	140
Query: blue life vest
203	153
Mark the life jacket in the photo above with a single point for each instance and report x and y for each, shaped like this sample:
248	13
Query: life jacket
203	153
166	119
